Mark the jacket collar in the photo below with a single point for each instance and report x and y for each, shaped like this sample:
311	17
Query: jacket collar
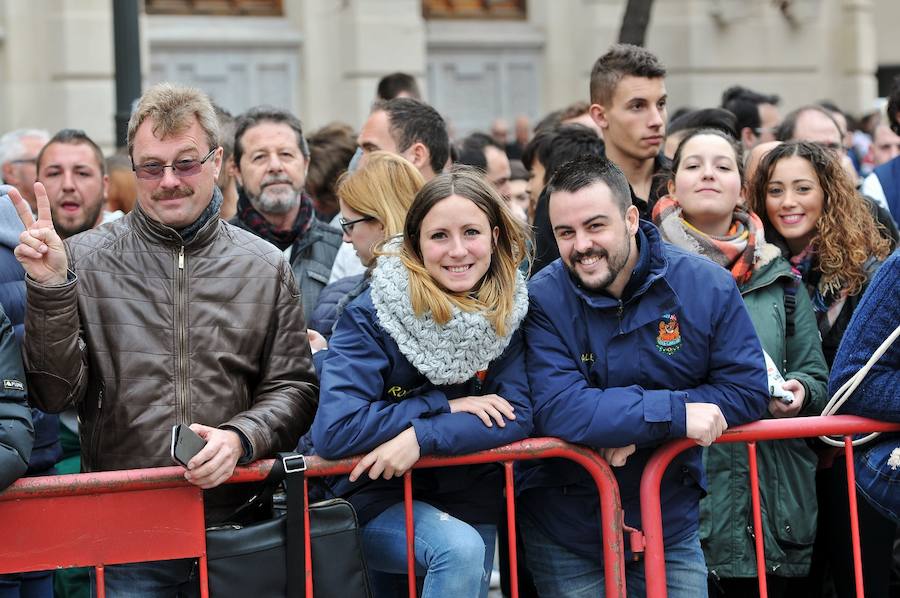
166	235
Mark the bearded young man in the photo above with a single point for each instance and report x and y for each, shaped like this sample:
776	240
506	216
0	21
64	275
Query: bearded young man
73	172
631	343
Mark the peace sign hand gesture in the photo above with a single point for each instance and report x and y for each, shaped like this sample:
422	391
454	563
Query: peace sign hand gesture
40	250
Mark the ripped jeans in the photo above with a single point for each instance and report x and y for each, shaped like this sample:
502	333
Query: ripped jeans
455	557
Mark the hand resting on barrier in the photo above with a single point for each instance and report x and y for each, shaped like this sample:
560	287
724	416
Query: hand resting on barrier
390	459
704	422
486	408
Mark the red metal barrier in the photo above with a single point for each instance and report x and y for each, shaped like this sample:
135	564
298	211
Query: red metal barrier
153	514
774	429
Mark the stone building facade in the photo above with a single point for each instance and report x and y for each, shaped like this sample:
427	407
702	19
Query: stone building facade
322	58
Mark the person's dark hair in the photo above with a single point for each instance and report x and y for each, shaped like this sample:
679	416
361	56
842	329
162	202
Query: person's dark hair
744	104
517	170
390	86
262	114
678	113
730	139
587	170
707	118
413	121
330	150
785	131
73	137
620	61
893	106
558	146
550	121
471	150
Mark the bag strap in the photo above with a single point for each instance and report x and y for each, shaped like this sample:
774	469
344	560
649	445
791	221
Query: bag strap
790	305
291	467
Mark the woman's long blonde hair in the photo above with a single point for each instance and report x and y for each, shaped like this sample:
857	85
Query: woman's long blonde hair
846	236
382	187
495	296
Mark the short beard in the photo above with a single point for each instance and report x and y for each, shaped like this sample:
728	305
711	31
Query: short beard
614	265
269	202
89	222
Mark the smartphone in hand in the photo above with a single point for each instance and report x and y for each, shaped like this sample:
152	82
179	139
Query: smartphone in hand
185	444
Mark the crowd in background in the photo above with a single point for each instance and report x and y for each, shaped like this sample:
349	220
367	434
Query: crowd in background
416	351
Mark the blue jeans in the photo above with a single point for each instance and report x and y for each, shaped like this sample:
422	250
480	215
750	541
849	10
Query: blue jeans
455	557
157	579
37	584
558	572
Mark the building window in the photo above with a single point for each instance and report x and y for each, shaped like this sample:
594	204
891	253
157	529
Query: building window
256	8
473	9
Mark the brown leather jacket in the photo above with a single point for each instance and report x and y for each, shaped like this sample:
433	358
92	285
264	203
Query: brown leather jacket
149	333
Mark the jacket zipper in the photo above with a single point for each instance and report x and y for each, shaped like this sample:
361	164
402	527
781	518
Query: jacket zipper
95	433
181	328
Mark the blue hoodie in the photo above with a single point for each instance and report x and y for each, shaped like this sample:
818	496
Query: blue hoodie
609	373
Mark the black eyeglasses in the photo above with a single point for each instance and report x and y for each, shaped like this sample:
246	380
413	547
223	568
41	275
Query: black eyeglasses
181	168
347	225
24	161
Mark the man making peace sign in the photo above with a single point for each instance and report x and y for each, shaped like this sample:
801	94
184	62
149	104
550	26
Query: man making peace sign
168	315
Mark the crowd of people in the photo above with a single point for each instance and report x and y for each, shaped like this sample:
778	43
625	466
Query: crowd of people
615	278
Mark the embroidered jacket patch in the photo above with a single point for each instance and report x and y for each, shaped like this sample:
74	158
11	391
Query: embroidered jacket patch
668	340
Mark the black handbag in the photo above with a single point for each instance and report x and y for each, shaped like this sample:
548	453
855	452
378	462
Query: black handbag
266	559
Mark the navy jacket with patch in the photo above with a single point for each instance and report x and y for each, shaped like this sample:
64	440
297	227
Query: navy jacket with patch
609	373
370	393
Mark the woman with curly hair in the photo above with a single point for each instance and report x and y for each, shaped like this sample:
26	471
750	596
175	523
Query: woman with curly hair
429	360
811	210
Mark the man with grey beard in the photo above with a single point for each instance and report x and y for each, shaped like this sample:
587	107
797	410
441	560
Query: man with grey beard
272	157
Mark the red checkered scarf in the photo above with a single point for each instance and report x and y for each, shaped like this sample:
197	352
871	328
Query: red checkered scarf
736	251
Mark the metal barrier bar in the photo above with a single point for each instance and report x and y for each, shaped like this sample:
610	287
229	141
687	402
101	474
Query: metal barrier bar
108	518
410	535
509	490
758	535
854	516
105	518
773	429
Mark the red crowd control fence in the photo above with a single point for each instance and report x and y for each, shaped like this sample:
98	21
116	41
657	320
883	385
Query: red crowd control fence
107	518
777	429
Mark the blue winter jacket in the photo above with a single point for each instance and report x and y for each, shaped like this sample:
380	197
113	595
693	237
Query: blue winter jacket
333	300
609	373
875	318
370	393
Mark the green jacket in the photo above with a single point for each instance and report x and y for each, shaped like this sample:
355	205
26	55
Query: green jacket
787	467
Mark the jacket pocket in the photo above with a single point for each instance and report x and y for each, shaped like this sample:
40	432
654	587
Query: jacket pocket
796	508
